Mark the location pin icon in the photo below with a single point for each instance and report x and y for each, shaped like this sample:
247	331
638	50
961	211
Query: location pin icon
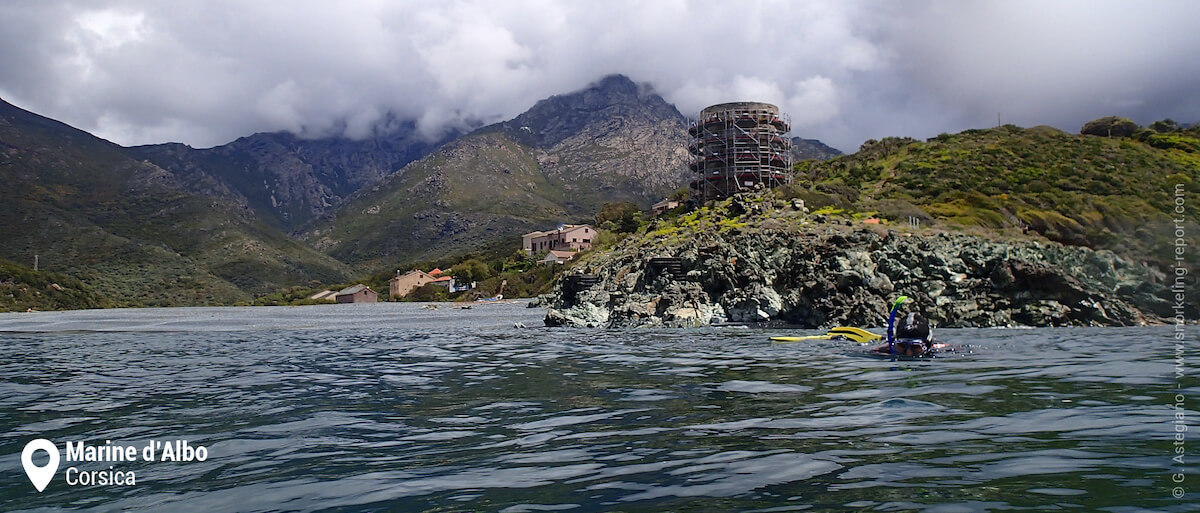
40	476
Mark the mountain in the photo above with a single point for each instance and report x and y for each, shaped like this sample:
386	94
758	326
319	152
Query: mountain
557	162
168	224
613	141
288	180
812	149
131	230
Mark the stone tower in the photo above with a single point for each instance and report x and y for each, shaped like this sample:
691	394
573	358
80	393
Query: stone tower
738	145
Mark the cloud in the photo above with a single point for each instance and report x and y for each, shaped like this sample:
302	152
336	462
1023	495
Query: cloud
815	101
1050	62
143	71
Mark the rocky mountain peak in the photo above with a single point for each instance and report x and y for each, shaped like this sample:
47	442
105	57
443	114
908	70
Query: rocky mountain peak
289	179
559	117
805	149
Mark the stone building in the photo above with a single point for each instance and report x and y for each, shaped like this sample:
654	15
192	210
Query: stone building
357	294
402	284
568	237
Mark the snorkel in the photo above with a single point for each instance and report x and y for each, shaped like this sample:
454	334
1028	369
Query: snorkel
891	324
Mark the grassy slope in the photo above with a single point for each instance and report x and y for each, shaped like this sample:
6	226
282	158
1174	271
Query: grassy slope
1081	190
483	187
124	228
22	288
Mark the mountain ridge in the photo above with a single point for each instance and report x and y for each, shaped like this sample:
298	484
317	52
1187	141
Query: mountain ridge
285	178
128	228
558	162
168	224
812	149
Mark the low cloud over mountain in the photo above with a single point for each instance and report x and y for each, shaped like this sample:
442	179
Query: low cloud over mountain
205	73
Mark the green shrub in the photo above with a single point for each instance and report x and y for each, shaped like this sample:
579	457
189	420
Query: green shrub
428	293
622	217
1174	142
1110	126
470	270
841	193
1165	126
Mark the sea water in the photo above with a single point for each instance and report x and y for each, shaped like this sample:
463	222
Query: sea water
408	407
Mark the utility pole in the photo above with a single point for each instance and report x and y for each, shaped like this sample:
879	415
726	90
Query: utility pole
35	263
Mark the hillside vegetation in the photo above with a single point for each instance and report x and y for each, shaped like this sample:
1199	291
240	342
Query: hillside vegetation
448	203
1105	192
23	289
128	230
170	225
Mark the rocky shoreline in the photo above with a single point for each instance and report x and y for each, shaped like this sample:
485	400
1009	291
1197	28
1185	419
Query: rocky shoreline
760	261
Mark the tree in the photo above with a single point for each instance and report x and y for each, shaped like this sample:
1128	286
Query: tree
1110	126
1164	126
429	292
518	261
470	270
623	217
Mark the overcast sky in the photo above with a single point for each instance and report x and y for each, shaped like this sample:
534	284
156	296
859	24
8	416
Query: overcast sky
205	72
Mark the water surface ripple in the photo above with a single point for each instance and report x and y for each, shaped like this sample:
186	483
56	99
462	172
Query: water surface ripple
399	408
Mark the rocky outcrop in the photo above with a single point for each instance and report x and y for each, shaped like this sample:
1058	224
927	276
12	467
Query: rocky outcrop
754	259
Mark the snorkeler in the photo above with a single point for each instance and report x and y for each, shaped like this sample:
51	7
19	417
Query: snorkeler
912	337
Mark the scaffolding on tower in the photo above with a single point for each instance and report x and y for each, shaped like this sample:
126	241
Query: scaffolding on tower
738	145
